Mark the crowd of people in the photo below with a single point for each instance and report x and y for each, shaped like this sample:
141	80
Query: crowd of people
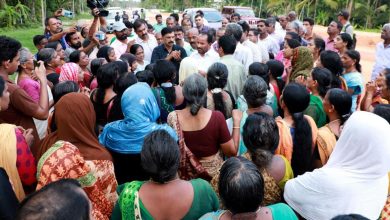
178	120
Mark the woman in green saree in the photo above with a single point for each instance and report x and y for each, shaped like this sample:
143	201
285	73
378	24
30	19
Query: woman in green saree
318	83
165	195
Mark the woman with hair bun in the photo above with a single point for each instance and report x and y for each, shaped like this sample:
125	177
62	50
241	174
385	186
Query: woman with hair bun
165	195
205	131
217	98
318	83
337	106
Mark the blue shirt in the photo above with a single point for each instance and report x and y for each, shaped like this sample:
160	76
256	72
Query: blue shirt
62	40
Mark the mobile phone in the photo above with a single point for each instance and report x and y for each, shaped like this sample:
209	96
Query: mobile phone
36	64
67	13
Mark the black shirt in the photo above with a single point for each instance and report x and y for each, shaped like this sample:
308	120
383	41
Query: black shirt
160	53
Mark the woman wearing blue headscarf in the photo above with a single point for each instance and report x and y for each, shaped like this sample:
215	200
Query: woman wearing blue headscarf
124	138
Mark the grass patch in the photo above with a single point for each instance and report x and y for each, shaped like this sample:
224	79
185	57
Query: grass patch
24	35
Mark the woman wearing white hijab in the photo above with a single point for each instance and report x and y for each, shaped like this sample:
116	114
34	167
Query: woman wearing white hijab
355	178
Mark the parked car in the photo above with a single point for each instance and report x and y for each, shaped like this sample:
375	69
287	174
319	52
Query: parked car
246	13
213	16
110	19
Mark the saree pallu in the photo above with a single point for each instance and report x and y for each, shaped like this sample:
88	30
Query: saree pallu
326	141
190	166
285	147
96	177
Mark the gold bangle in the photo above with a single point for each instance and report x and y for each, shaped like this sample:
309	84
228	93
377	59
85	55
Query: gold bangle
236	127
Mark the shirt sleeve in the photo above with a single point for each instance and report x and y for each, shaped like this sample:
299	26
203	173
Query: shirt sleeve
224	134
154	55
183	53
25	161
23	102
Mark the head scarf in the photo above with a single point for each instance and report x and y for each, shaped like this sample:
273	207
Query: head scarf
355	178
69	72
75	119
302	62
140	109
8	157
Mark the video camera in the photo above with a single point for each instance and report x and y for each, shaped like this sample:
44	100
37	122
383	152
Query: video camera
100	4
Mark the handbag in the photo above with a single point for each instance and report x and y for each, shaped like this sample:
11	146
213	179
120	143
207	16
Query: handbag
190	167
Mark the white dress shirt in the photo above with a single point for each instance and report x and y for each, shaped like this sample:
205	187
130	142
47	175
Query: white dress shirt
148	46
255	50
243	55
382	59
271	44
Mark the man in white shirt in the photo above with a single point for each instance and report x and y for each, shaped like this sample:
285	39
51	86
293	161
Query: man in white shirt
247	43
272	31
264	38
121	44
242	54
200	60
253	36
382	57
147	41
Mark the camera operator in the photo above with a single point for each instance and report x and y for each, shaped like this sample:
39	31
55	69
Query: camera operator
99	35
54	30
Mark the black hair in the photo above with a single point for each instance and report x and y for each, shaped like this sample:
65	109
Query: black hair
166	30
160	156
255	91
123	67
53	45
106	77
342	102
255	31
261	137
235	30
310	20
150	66
138	23
297	98
104	52
47	20
350	217
235	15
294	36
145	76
266	23
355	55
178	28
383	110
150	26
228	44
332	61
387	78
2	86
260	69
74	57
175	16
209	37
319	43
164	71
217	76
244	25
197	16
59	200
200	12
339	25
134	48
95	65
37	39
128	58
346	38
276	69
128	24
158	16
121	84
63	88
211	33
9	48
69	35
241	185
292	43
323	77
